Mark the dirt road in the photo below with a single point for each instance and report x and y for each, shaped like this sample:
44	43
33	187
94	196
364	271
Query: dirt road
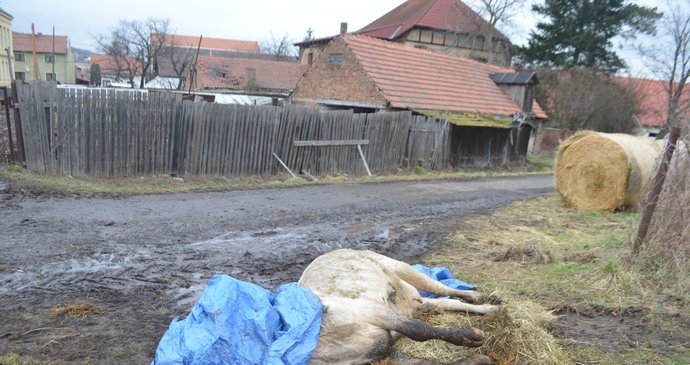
145	259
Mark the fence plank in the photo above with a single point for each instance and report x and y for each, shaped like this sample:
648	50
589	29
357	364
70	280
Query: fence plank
96	132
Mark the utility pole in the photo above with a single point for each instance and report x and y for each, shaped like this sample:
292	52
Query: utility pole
33	41
52	56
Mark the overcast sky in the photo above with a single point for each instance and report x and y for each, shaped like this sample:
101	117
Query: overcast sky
235	19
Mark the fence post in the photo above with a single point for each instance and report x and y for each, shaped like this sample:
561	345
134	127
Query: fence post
20	157
9	123
653	197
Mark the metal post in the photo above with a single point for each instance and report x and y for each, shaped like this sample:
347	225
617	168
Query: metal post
653	197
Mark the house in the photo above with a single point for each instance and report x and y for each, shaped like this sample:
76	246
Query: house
484	103
54	58
447	26
247	76
5	44
172	63
124	72
652	103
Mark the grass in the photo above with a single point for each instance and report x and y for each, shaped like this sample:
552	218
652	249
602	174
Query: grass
42	182
540	163
14	359
590	266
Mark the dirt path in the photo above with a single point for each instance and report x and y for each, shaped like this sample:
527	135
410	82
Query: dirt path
144	259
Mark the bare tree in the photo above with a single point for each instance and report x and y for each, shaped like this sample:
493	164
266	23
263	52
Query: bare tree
497	12
669	60
132	46
176	60
95	74
279	47
582	99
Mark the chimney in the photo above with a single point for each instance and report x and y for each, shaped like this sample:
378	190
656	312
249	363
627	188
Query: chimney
251	79
343	28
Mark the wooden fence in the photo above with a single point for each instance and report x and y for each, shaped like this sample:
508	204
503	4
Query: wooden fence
108	132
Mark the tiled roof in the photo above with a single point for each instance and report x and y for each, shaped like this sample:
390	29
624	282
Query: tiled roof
210	43
652	98
109	66
222	73
44	43
412	78
447	15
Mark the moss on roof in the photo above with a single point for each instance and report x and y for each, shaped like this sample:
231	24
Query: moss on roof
468	119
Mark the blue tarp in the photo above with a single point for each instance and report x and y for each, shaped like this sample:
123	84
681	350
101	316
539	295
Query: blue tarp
236	322
240	323
443	275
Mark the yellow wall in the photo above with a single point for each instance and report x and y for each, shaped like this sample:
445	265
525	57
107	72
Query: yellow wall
64	66
5	42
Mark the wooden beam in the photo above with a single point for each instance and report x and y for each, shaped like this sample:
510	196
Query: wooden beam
347	142
361	154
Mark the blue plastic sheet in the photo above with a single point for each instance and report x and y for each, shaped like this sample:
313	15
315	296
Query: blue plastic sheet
443	275
236	322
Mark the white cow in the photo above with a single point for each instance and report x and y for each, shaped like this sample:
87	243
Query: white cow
369	300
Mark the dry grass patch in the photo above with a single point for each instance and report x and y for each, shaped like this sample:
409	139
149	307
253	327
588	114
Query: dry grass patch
538	256
42	182
78	308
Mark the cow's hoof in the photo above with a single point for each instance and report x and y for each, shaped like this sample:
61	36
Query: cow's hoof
467	336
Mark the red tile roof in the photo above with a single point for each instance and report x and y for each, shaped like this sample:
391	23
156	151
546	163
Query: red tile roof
209	43
109	66
652	98
44	43
447	15
231	73
412	78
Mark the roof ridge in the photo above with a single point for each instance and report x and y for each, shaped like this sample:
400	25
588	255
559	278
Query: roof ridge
431	4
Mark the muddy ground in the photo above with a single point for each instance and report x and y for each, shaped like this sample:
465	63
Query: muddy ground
145	259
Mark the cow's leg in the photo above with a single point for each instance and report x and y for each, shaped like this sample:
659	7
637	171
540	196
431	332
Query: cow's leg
402	359
423	282
421	331
429	304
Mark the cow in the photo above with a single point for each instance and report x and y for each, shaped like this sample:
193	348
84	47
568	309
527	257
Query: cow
369	300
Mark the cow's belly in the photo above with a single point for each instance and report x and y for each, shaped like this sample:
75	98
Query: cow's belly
349	334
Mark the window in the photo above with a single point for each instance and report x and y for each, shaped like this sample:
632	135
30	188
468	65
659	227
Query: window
479	42
48	58
20	76
310	58
19	57
426	36
51	76
335	58
439	38
413	35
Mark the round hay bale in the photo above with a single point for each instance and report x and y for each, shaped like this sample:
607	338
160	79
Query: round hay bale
605	172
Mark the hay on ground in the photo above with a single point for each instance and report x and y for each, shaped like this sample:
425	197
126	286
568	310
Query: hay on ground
78	308
605	172
517	335
529	254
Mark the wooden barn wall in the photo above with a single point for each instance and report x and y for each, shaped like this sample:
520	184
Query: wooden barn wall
481	147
